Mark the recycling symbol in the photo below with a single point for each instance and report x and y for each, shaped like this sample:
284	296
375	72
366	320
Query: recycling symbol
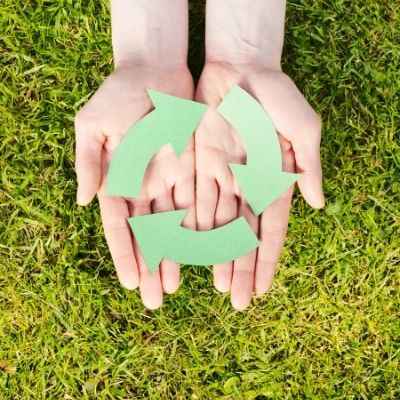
173	121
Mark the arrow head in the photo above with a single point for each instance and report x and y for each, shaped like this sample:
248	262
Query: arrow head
152	233
260	189
179	116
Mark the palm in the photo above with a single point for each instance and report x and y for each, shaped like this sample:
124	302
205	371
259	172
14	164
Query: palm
168	183
218	197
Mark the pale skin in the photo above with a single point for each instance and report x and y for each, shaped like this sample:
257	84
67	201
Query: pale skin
243	46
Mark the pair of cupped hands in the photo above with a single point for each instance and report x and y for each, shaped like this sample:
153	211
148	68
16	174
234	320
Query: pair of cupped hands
200	180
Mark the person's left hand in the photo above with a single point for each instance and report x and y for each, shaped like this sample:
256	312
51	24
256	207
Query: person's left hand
218	197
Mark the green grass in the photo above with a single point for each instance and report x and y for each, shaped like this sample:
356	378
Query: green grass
329	329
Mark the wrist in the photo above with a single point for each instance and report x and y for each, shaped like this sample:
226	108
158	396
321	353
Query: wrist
242	59
150	33
139	60
243	33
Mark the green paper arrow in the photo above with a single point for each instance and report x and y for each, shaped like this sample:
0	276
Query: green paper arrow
162	236
173	121
261	179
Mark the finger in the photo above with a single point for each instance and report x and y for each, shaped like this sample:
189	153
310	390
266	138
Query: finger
184	199
169	270
184	189
273	228
308	164
206	202
150	285
226	211
89	143
114	214
243	267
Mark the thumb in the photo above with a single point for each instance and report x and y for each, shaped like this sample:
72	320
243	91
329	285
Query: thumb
298	123
89	144
308	164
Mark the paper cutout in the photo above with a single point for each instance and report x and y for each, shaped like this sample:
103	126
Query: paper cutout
173	121
261	179
162	236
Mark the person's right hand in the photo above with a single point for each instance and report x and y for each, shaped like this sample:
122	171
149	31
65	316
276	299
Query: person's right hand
169	182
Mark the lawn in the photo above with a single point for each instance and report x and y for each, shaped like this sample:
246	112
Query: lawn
328	329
